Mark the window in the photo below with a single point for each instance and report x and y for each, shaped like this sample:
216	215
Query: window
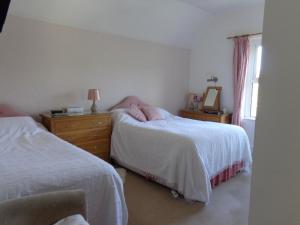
252	78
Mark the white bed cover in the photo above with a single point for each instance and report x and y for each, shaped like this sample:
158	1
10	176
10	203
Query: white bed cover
34	161
183	154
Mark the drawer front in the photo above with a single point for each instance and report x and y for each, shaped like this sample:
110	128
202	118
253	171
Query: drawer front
86	135
212	118
186	114
198	116
226	119
80	124
101	147
105	156
195	116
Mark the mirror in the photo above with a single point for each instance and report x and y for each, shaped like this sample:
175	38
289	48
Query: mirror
211	100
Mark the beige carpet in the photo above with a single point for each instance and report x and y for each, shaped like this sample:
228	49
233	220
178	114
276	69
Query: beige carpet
151	204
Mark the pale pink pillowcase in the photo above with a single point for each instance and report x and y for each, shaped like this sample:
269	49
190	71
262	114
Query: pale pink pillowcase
136	113
151	113
129	101
8	111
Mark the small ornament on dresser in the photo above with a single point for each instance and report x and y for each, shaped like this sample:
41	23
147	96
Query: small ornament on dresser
194	102
74	110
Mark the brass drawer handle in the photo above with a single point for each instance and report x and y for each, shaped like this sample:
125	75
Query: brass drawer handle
99	123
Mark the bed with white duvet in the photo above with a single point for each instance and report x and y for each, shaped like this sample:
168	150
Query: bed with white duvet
34	161
182	154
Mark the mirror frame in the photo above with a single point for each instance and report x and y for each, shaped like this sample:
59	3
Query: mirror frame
216	107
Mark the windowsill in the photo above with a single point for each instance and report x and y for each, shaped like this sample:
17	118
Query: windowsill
249	118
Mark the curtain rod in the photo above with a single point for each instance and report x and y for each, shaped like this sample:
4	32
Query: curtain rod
244	35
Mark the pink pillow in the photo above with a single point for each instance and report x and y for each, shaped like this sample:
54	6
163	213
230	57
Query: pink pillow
136	113
8	111
128	101
151	113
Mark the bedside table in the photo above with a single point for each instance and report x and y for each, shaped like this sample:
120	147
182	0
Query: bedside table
223	118
91	132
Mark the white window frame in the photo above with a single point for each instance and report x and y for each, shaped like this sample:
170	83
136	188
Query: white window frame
255	42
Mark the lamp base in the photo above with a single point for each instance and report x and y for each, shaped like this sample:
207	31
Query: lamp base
94	107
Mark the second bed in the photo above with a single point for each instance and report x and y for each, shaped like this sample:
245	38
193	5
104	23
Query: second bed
186	155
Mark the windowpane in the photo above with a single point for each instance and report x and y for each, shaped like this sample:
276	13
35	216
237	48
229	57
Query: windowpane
258	61
254	99
252	80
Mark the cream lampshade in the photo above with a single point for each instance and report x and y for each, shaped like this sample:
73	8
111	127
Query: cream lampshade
94	95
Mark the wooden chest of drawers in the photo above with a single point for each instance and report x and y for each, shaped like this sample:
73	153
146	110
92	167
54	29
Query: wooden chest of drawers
223	118
91	132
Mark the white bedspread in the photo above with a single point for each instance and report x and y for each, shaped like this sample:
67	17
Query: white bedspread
183	154
34	161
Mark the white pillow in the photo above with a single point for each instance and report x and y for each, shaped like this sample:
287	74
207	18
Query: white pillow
72	220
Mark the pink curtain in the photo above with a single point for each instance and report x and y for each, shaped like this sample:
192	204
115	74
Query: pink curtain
240	62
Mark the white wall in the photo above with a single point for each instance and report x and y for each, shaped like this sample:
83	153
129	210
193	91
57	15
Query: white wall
45	66
275	198
213	54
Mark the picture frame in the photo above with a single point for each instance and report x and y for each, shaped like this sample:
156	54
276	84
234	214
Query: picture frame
194	102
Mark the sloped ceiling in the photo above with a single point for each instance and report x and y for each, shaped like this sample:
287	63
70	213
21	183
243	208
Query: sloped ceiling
172	22
219	6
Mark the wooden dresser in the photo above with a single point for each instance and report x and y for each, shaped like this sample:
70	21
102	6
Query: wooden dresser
223	118
91	132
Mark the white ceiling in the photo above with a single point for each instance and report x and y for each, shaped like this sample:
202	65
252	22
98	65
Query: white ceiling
172	22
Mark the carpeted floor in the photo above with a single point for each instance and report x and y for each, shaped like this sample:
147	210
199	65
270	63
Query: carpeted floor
152	204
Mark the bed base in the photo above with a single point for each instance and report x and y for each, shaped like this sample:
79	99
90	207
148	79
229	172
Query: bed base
220	178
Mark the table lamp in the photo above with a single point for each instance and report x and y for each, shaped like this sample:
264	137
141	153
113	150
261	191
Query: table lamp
94	95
